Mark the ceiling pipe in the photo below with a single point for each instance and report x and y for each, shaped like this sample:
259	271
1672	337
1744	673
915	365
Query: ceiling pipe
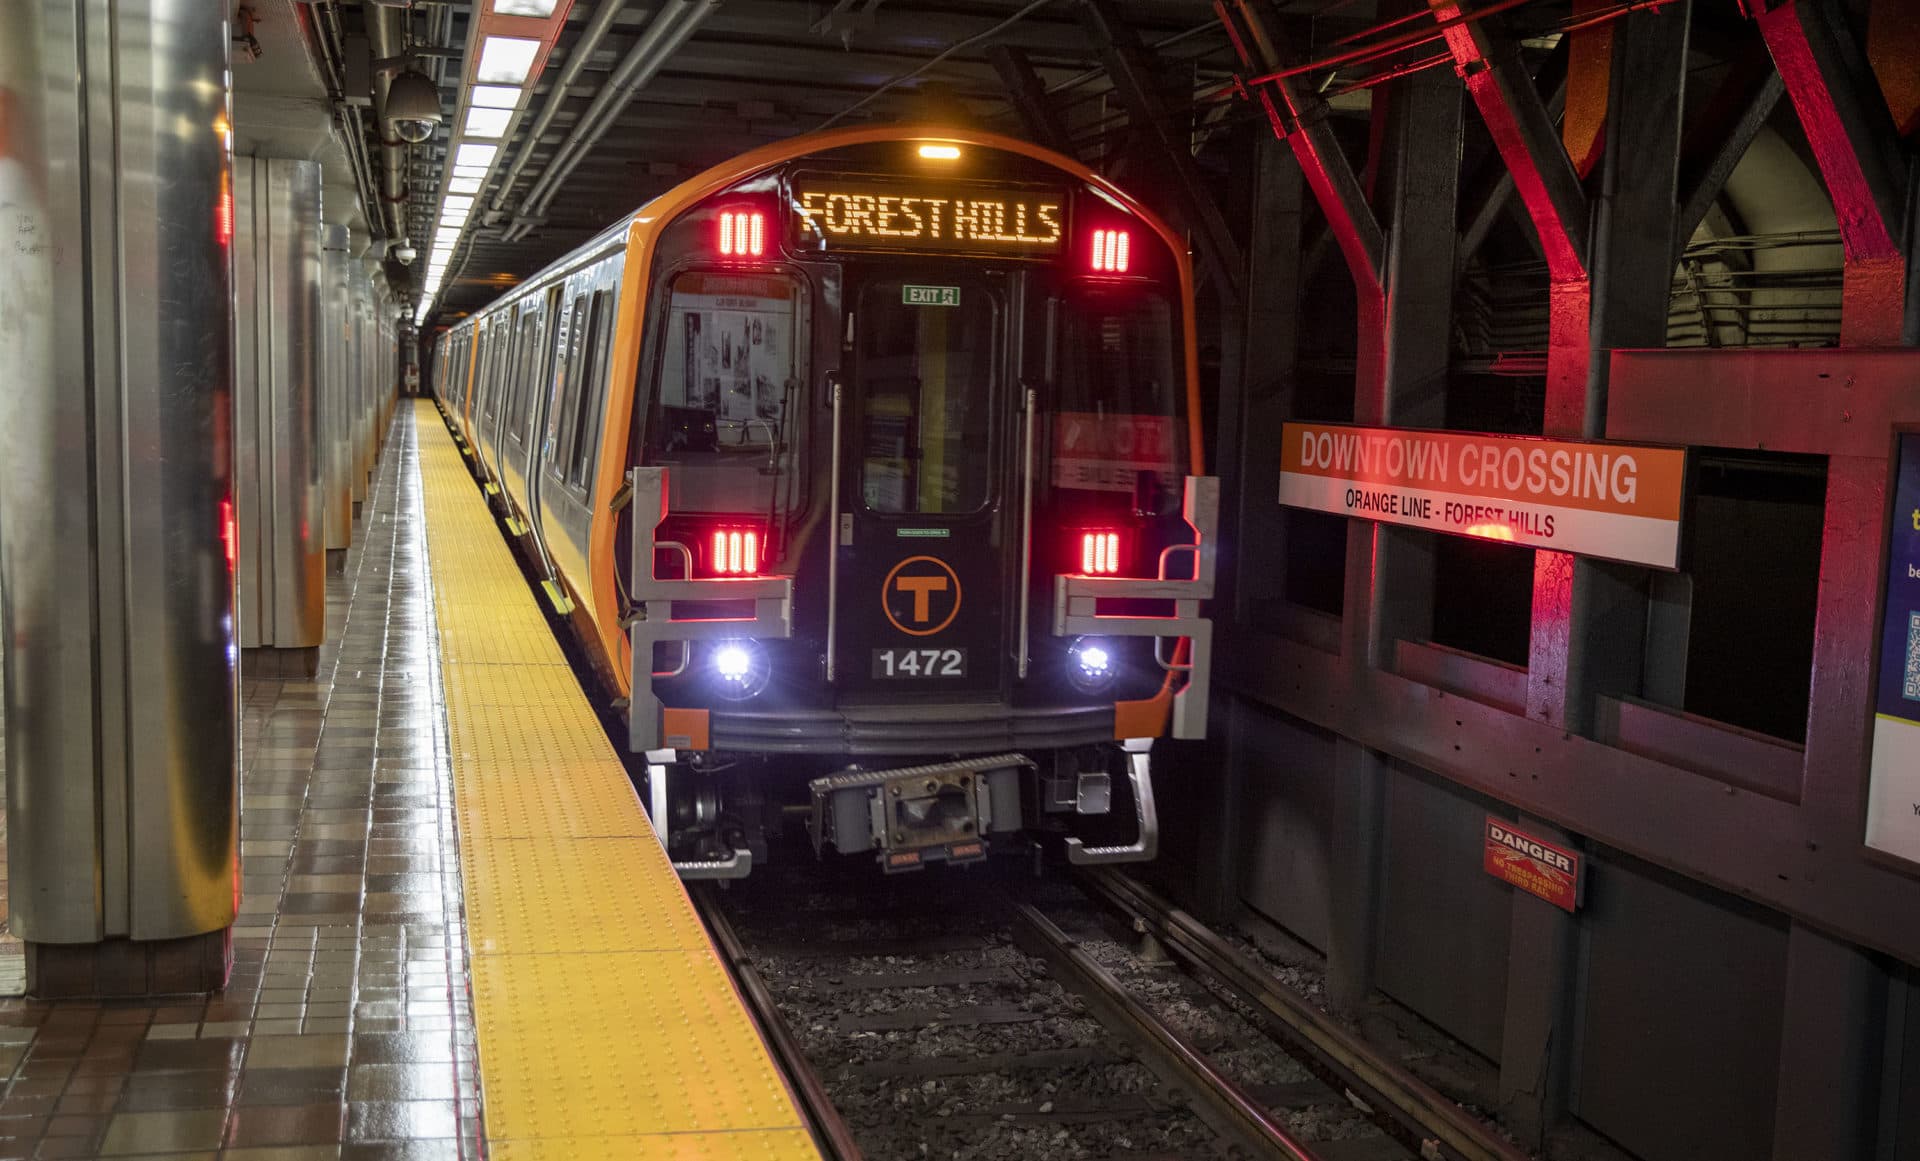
577	58
676	22
386	32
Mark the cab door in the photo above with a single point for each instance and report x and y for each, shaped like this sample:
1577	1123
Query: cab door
926	551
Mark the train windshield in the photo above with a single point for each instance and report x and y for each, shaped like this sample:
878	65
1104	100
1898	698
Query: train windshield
927	360
1118	421
730	374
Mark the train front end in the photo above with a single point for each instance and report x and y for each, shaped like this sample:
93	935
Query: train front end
919	540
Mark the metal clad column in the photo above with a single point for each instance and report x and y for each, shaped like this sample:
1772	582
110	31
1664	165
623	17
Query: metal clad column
362	290
53	792
336	353
116	504
278	498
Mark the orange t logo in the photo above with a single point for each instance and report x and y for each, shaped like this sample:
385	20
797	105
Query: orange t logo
920	586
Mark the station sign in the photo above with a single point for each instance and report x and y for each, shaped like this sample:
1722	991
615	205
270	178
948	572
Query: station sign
1618	501
880	213
1533	864
1893	803
1107	451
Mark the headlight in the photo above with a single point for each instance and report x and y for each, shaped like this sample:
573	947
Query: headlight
740	669
1091	664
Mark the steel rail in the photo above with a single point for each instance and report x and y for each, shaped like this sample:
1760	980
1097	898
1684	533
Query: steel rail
824	1122
1384	1084
1221	1102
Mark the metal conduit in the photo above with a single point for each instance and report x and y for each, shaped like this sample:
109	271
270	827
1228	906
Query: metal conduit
676	22
577	58
386	31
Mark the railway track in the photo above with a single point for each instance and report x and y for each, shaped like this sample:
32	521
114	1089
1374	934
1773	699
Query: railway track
989	1016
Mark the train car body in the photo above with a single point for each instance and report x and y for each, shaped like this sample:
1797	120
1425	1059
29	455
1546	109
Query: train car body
866	468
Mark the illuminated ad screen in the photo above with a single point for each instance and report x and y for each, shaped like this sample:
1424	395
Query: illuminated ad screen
877	213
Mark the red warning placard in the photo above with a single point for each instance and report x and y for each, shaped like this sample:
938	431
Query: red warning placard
1532	864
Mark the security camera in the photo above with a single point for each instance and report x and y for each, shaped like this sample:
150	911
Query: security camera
413	107
405	255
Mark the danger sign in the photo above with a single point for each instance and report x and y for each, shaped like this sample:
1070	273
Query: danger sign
1532	864
1619	501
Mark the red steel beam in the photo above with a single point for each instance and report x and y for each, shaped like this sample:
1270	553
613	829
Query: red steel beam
1866	202
1550	190
1299	117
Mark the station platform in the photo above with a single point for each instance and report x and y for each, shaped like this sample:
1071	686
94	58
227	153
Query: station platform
458	936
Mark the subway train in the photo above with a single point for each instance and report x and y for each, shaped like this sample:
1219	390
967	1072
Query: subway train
866	471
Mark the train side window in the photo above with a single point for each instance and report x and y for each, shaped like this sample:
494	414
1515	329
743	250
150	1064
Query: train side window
729	378
497	351
580	441
525	369
567	384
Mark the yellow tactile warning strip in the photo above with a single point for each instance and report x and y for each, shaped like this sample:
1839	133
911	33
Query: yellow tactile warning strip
607	1027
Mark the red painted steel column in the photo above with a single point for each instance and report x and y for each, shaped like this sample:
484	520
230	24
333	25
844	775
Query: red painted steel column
1549	189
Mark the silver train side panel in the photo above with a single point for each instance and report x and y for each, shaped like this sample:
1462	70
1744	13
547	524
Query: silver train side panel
277	494
115	482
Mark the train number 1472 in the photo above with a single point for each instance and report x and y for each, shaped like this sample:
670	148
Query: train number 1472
919	663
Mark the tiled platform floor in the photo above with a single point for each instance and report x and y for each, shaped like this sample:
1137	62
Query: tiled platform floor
346	1030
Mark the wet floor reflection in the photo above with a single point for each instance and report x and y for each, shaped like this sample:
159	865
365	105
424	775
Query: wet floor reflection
346	1029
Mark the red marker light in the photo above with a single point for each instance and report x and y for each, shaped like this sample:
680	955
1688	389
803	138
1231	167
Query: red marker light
229	535
743	233
223	210
1100	553
736	552
1111	251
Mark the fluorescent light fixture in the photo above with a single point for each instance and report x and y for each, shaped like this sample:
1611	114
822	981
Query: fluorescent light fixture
481	155
457	203
940	152
446	235
464	185
487	122
540	8
495	96
506	60
479	171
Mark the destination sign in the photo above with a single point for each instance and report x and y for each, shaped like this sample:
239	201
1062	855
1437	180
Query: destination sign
865	213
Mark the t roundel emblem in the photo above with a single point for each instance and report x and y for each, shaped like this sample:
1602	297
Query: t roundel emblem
921	596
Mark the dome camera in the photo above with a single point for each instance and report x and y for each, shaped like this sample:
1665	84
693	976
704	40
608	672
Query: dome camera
413	107
404	254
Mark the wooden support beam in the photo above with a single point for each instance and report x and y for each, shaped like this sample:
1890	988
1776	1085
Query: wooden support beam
1129	65
1714	145
1029	98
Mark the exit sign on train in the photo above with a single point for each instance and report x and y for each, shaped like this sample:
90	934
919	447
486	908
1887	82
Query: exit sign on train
930	295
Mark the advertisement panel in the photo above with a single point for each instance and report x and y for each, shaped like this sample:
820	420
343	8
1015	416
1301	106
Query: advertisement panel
1532	864
1618	501
1893	810
1107	452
